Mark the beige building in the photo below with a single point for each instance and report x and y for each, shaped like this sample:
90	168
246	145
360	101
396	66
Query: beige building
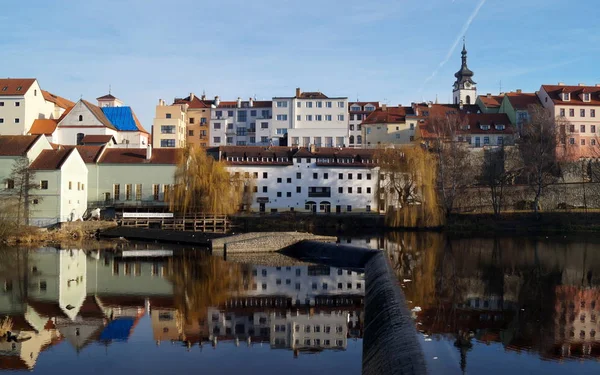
198	119
169	126
388	125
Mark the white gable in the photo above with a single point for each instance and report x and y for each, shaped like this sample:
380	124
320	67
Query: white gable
80	115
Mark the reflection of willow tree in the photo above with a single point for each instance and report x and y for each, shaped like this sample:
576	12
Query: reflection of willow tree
203	185
201	281
408	187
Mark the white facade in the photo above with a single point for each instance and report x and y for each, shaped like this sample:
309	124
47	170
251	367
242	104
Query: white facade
81	121
311	119
19	109
357	113
304	186
241	123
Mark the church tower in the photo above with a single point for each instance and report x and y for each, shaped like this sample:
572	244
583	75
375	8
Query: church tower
465	89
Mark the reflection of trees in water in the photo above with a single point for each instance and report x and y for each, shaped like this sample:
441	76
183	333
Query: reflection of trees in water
501	289
15	264
201	281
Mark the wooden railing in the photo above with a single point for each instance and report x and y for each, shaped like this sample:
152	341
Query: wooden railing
196	223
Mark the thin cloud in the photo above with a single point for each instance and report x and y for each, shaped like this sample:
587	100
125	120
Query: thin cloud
463	31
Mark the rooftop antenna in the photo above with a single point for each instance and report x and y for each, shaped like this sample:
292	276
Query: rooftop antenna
500	85
109	89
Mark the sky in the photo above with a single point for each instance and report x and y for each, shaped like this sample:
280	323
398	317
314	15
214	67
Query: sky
392	51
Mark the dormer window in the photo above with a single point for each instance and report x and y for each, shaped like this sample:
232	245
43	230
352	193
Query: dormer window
369	108
5	88
355	108
484	127
587	97
566	96
466	127
500	127
19	88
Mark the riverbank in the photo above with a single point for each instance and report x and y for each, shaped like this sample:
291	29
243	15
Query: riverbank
70	233
524	223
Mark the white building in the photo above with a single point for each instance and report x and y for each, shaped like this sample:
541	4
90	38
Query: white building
310	118
305	180
357	112
21	102
241	123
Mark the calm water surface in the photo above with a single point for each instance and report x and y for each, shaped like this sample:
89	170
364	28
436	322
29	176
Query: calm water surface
156	312
481	306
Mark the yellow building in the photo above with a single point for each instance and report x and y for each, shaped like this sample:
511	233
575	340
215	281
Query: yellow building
169	126
198	119
388	125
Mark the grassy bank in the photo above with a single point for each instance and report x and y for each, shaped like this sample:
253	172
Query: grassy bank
67	233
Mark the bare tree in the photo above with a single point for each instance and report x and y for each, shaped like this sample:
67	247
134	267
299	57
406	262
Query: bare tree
19	189
499	169
542	147
453	158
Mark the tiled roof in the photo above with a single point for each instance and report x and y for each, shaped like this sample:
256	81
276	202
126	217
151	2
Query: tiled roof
123	119
47	309
197	102
474	120
246	104
575	91
97	138
106	97
255	151
16	145
15	86
138	156
43	126
330	152
491	101
97	111
312	95
57	100
362	106
388	115
522	100
88	153
51	159
65	113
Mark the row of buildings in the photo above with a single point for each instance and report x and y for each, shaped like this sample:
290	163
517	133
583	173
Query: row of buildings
308	152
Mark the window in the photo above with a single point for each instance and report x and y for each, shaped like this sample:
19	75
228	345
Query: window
298	189
571	141
278	194
593	142
308	104
281	104
341	190
138	192
242	116
368	190
582	112
255	189
562	112
156	192
10	184
582	128
298	175
216	139
500	141
168	115
167	129
289	195
167	143
359	190
17	121
279	180
298	117
128	192
340	176
116	191
255	175
265	175
566	96
265	189
44	185
1	121
592	113
340	117
349	176
315	176
592	128
349	208
583	142
190	133
282	117
288	180
359	176
571	112
80	118
486	140
229	113
340	104
70	185
586	97
1	104
350	190
308	117
325	176
572	128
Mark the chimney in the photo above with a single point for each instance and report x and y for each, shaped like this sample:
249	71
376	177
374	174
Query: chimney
239	102
192	96
298	92
581	84
217	101
561	83
461	106
384	107
149	152
519	91
313	148
489	94
250	102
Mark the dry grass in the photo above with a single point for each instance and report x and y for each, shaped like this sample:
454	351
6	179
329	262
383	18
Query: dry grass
6	325
74	232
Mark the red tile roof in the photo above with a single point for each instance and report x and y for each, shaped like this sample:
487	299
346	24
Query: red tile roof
491	101
388	115
197	102
51	159
138	156
97	138
106	97
15	86
16	145
313	95
575	91
522	100
88	153
57	100
43	126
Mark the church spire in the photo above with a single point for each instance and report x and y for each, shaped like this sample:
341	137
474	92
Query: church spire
464	87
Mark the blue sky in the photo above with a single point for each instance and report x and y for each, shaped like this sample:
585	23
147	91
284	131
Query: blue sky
387	50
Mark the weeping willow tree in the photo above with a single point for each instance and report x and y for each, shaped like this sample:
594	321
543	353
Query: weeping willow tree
203	185
407	187
201	281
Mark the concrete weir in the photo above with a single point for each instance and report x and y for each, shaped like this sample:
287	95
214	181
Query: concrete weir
261	242
390	344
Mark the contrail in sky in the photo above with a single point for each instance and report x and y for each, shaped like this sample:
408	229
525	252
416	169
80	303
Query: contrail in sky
463	31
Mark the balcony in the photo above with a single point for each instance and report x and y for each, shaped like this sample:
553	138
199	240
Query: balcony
322	194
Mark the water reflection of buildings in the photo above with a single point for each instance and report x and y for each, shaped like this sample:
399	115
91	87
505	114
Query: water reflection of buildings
541	297
81	298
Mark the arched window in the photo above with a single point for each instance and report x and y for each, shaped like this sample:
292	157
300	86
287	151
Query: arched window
34	92
351	139
468	99
359	139
80	138
80	117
